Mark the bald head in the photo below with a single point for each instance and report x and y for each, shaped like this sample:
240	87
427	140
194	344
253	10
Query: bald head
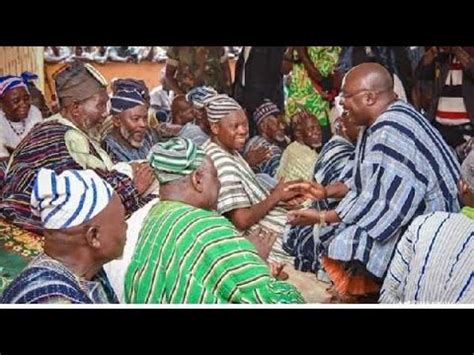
371	76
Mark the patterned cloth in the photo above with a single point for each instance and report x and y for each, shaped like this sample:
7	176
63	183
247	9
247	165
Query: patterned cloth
17	248
189	255
128	93
198	95
334	164
433	262
13	132
46	280
193	132
175	158
403	168
198	66
240	188
302	92
270	165
220	106
58	145
264	110
68	199
10	82
122	151
297	162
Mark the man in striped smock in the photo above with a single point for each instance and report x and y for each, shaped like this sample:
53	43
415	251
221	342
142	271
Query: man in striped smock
68	141
187	252
434	261
251	207
403	168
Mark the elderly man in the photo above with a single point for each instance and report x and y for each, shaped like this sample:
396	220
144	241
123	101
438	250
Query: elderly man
271	138
75	208
250	206
131	138
68	141
434	261
403	169
186	252
299	158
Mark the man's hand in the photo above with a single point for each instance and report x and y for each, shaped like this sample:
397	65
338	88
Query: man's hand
277	270
282	193
307	217
143	177
256	155
310	190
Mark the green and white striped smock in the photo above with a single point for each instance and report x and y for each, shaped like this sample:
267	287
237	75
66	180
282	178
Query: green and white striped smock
190	255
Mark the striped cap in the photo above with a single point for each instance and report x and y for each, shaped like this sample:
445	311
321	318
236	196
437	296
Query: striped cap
198	95
70	198
175	158
128	93
11	82
264	110
467	170
220	106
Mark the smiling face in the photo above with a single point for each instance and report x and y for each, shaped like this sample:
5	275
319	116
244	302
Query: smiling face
16	104
232	130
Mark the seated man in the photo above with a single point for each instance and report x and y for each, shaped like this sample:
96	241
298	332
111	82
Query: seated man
186	252
76	208
334	164
299	158
402	169
131	138
251	207
434	260
67	141
271	137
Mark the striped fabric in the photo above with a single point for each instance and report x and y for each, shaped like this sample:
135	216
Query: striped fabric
45	147
334	164
219	106
124	152
193	132
451	109
403	168
240	188
434	262
266	109
270	165
198	95
175	158
46	280
10	82
128	93
189	255
68	199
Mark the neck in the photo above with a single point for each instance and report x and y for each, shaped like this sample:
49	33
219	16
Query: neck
214	139
82	267
179	194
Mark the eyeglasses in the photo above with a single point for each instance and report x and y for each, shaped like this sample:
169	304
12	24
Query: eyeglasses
345	95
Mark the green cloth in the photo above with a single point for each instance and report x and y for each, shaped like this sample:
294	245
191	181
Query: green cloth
468	212
301	91
189	255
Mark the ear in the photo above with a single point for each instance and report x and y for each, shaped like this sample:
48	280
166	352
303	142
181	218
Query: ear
371	98
75	109
92	237
197	180
116	120
463	188
215	128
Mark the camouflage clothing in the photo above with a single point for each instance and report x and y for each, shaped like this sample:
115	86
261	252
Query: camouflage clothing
192	72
